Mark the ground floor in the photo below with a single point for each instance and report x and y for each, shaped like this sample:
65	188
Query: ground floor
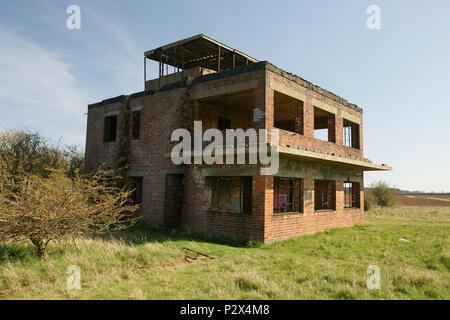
240	203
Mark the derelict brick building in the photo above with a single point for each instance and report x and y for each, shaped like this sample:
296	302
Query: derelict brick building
319	184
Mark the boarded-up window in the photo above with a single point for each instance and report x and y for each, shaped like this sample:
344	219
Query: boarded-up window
231	194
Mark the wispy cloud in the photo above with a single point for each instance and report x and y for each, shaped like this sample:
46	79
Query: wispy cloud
122	55
39	88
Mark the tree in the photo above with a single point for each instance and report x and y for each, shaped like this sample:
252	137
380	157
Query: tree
23	151
76	160
383	193
42	209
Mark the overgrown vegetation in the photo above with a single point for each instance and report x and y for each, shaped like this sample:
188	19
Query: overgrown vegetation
44	197
148	263
124	131
27	152
379	194
42	209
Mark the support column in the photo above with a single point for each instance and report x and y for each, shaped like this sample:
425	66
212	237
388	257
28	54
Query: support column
332	128
308	123
340	195
299	118
339	131
355	136
262	205
308	193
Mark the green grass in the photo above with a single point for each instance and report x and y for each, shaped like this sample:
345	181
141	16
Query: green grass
148	263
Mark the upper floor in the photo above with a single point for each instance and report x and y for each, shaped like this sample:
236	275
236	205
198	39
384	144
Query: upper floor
203	80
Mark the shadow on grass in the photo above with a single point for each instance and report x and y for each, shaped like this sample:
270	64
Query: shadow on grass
136	235
24	251
142	233
15	251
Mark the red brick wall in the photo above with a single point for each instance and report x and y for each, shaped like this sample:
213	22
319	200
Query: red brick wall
164	111
197	216
161	113
284	226
307	139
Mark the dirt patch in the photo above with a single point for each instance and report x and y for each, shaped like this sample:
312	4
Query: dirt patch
410	200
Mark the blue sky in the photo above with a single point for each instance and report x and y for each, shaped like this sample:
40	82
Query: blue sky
399	75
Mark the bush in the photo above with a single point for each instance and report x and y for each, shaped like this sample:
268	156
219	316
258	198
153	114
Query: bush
27	152
42	209
383	194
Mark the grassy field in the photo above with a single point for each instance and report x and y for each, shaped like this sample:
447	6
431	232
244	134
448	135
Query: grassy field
149	264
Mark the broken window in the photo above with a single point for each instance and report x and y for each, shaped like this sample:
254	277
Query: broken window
223	123
136	185
324	195
287	195
136	125
231	194
351	134
110	129
351	195
324	125
288	113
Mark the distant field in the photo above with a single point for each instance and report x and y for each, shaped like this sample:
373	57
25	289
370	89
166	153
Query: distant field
148	263
445	197
423	200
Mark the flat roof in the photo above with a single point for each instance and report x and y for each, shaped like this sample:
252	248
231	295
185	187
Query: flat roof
199	51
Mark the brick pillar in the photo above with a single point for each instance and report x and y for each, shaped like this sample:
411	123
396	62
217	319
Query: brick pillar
259	108
340	200
308	123
298	203
331	194
339	130
263	108
356	194
355	135
299	117
262	205
332	128
361	137
308	192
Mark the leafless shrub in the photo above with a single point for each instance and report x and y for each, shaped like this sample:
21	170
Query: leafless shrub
57	207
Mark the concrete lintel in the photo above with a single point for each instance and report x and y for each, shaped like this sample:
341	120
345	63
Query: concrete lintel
285	173
233	88
351	117
175	171
137	173
336	176
277	86
136	108
111	113
324	106
230	172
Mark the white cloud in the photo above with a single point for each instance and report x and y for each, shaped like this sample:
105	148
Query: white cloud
122	56
38	90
